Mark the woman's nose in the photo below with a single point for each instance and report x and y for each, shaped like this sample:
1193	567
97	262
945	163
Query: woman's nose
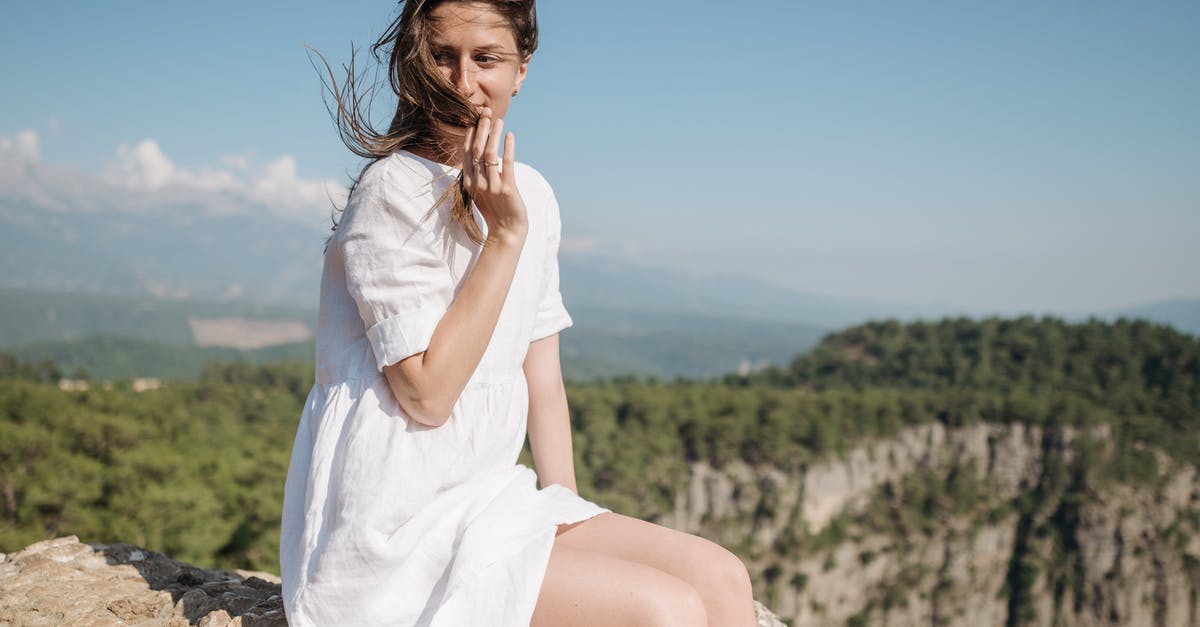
463	78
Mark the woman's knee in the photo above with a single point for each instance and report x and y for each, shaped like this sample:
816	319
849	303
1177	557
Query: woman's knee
676	603
735	574
726	574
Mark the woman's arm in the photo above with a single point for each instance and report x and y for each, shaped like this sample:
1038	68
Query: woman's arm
549	419
428	383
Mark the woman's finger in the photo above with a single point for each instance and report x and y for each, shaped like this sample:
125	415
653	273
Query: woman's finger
510	159
492	155
482	130
468	166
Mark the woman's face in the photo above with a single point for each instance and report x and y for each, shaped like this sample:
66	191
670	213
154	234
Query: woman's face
475	48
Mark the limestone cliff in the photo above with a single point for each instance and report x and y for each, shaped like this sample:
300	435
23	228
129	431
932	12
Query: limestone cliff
980	525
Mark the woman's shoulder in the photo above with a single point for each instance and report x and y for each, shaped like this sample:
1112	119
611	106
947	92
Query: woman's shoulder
405	171
402	177
398	187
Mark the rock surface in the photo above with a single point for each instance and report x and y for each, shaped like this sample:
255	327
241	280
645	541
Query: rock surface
1124	556
66	582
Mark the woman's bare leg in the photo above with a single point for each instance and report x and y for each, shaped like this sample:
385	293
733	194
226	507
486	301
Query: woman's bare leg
586	589
719	575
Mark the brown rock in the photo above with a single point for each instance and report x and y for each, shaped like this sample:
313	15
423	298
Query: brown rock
66	582
219	618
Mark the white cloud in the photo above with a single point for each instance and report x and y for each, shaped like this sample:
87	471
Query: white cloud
278	185
275	184
143	166
23	145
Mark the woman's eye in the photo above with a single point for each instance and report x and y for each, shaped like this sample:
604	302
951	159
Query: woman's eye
486	59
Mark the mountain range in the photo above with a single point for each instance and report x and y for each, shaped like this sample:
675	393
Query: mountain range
84	257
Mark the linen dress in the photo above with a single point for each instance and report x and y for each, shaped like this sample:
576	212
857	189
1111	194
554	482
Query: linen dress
387	521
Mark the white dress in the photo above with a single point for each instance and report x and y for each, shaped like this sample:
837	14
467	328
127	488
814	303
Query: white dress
387	521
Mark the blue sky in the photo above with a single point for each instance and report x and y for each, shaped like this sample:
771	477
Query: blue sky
998	157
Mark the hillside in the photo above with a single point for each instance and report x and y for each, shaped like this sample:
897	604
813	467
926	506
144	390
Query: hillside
113	337
1004	471
44	317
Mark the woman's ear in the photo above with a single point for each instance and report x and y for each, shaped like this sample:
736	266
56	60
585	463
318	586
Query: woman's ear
522	71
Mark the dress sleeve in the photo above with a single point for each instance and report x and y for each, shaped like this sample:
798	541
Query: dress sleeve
552	316
394	272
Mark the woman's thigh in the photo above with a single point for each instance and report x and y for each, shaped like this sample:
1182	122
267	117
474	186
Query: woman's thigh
584	589
718	574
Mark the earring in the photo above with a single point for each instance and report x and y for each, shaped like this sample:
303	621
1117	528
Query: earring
515	92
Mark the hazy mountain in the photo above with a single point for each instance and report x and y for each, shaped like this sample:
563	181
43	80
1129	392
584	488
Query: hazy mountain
126	336
33	316
87	259
1183	314
604	282
141	263
64	231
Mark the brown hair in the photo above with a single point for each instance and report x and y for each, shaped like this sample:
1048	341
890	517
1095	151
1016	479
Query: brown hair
424	94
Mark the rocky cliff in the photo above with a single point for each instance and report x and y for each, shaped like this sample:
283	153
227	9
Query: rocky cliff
980	525
66	582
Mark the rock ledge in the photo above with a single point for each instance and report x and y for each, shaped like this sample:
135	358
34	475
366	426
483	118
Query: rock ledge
66	582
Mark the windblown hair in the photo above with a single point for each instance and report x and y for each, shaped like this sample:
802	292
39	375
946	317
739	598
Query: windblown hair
425	96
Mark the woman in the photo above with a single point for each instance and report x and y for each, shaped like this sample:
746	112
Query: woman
437	350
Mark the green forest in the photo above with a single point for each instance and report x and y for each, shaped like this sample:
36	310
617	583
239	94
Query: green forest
195	469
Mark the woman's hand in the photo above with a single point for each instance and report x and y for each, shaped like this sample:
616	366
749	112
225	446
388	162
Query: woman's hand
492	183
